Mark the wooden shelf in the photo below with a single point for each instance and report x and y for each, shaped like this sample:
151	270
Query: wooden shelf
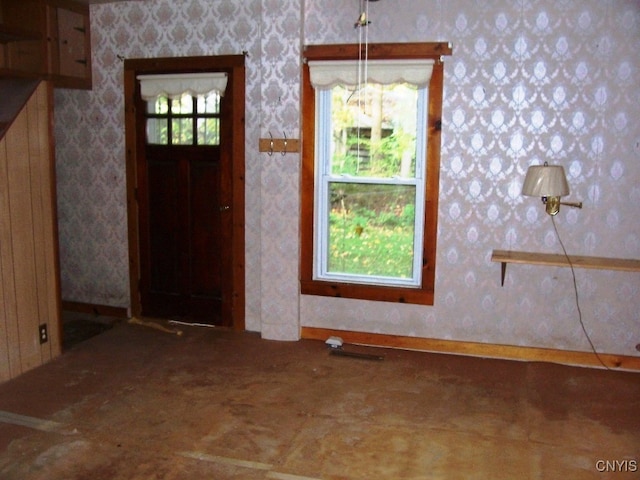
550	259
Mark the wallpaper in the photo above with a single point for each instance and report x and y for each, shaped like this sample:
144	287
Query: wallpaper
90	137
529	81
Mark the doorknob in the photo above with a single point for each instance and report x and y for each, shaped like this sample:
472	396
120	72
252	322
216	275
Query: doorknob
225	207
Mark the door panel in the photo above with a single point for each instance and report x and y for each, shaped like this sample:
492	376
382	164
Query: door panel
207	242
184	271
164	248
206	238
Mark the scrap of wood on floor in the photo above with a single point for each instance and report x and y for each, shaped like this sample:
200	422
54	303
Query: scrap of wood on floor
155	325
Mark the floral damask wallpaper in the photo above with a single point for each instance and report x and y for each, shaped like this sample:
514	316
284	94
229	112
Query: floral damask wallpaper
529	81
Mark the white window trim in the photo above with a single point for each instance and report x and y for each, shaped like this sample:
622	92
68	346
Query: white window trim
323	178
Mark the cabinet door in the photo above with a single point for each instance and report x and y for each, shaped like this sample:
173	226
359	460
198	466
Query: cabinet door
24	56
72	38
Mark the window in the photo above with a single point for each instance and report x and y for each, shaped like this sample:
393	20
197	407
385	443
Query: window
369	186
183	109
370	171
186	120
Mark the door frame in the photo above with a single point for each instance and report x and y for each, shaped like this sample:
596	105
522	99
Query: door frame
234	65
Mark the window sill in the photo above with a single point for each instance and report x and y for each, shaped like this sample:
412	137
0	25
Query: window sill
418	296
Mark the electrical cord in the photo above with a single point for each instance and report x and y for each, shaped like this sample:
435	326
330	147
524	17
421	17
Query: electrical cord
575	289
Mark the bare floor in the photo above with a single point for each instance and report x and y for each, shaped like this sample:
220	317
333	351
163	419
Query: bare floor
138	403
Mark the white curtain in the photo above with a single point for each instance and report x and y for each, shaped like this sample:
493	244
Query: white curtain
175	85
326	74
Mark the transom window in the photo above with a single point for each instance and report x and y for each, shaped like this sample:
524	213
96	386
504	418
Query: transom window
183	108
185	120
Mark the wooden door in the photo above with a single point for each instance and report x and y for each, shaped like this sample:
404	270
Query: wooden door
184	176
197	200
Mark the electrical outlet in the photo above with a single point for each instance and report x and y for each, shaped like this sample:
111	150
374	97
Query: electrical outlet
42	333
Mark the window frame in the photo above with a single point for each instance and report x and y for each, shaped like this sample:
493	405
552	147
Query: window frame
424	293
170	116
326	178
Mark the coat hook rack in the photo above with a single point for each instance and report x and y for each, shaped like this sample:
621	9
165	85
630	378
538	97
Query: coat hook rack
283	145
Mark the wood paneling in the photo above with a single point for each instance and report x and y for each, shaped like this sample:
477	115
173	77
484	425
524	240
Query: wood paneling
28	242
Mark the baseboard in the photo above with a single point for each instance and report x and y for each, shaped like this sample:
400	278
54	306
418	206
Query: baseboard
103	310
475	349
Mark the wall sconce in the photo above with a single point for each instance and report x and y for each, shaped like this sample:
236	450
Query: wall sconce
550	183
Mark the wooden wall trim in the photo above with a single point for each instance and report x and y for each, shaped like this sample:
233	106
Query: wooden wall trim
475	349
95	309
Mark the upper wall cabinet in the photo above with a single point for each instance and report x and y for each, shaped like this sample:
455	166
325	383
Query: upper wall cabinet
47	39
69	44
22	51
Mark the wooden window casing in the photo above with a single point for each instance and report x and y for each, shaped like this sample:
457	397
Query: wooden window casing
423	294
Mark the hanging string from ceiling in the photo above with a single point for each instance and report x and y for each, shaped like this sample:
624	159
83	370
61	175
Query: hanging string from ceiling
361	24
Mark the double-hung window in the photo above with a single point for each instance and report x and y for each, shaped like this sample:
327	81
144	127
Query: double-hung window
370	173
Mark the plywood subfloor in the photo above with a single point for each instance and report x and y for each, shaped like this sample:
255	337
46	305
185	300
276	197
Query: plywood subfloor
139	403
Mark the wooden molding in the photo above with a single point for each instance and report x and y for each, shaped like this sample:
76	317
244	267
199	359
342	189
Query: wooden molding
109	311
378	50
476	349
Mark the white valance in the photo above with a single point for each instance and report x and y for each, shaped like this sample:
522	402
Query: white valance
327	74
176	85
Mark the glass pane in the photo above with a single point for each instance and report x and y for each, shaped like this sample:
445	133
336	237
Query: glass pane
158	106
157	131
182	131
371	229
182	105
374	130
209	103
208	131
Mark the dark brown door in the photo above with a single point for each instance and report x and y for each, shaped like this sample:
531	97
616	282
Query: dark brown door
184	178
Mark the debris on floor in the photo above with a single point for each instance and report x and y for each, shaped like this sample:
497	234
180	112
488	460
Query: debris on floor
191	324
156	326
335	348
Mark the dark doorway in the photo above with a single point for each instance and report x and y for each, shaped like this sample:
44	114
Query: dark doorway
187	217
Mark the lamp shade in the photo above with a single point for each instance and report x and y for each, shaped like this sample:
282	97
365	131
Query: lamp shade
545	181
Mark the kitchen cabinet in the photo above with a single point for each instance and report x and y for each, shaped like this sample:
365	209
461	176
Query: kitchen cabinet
69	44
22	50
48	39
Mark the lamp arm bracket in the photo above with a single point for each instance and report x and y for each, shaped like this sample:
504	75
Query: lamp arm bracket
572	204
